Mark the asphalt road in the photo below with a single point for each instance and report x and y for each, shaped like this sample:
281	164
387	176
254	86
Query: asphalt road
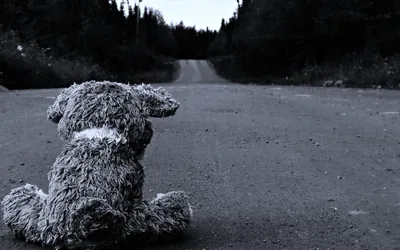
267	167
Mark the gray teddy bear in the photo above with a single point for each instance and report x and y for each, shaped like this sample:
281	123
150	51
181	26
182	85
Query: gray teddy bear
95	198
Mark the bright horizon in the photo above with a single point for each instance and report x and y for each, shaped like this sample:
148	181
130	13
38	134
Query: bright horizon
198	13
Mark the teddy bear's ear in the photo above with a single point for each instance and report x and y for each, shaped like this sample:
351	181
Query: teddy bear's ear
157	101
56	111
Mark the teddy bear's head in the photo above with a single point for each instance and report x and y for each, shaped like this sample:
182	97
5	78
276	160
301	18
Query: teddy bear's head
115	105
156	102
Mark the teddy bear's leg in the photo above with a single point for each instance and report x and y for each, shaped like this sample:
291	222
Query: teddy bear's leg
94	224
169	213
22	209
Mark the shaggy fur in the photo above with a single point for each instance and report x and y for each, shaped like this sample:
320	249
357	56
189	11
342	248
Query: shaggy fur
115	105
95	198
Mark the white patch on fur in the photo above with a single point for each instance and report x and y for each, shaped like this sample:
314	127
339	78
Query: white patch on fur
100	133
159	196
41	194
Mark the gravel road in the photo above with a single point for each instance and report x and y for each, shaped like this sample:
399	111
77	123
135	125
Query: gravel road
267	167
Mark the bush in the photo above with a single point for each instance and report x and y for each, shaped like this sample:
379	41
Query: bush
166	73
226	67
26	65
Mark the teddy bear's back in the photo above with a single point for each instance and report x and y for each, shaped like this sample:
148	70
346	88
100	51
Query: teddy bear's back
94	168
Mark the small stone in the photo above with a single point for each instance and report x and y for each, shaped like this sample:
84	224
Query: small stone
340	177
22	164
48	141
339	83
328	83
206	129
21	181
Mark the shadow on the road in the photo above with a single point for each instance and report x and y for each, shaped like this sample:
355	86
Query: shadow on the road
140	242
159	243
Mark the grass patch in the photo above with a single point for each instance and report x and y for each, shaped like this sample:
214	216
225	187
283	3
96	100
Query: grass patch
359	71
27	66
356	71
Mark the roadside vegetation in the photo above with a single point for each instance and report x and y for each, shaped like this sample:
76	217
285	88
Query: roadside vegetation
50	44
311	42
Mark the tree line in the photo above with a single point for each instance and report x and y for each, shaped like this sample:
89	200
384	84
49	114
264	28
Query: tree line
353	40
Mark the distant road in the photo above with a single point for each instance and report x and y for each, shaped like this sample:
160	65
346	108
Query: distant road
267	167
197	71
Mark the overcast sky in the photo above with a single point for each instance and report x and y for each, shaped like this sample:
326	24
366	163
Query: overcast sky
199	13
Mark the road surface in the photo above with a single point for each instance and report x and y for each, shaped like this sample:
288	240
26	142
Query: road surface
267	167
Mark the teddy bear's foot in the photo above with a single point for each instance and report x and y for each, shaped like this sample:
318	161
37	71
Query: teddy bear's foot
22	209
173	211
94	225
